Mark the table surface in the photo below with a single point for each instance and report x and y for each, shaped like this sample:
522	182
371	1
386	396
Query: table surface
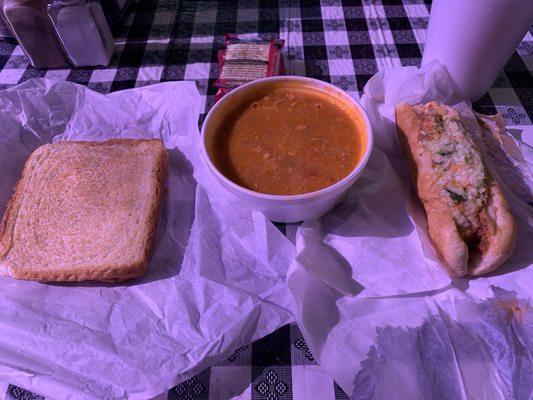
343	42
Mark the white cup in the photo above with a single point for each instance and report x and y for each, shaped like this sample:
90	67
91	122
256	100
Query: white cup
475	38
289	208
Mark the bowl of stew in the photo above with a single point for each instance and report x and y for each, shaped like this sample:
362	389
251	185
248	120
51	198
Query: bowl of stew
287	146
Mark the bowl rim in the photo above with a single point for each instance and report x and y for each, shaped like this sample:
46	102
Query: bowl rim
290	197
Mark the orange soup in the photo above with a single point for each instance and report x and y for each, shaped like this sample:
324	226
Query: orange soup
289	139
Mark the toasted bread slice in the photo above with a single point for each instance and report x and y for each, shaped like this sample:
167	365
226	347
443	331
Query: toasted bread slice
84	211
469	222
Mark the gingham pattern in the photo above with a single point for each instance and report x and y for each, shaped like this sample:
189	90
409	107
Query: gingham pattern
343	42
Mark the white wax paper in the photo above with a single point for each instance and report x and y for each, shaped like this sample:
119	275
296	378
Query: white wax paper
215	280
378	312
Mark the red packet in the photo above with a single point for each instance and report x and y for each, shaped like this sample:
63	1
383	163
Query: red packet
245	60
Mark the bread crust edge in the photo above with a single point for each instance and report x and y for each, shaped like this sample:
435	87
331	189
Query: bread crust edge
9	219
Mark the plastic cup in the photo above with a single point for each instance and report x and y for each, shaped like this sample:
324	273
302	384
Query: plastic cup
475	38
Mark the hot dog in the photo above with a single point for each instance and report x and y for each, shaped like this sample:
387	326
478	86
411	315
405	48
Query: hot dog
469	222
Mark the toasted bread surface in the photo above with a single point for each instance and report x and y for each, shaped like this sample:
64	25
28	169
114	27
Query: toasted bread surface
460	254
449	246
84	211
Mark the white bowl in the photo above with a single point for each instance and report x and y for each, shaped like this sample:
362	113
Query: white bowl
281	208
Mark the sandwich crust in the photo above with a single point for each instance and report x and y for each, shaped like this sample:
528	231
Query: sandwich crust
498	239
472	251
84	211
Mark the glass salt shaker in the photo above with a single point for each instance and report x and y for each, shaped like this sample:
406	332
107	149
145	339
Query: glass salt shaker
32	28
83	31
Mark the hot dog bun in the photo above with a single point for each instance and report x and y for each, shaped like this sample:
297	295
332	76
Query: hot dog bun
469	222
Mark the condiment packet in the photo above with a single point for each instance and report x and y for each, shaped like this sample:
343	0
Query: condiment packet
245	60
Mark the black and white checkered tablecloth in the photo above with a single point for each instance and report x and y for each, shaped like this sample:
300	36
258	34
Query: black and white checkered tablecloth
341	41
